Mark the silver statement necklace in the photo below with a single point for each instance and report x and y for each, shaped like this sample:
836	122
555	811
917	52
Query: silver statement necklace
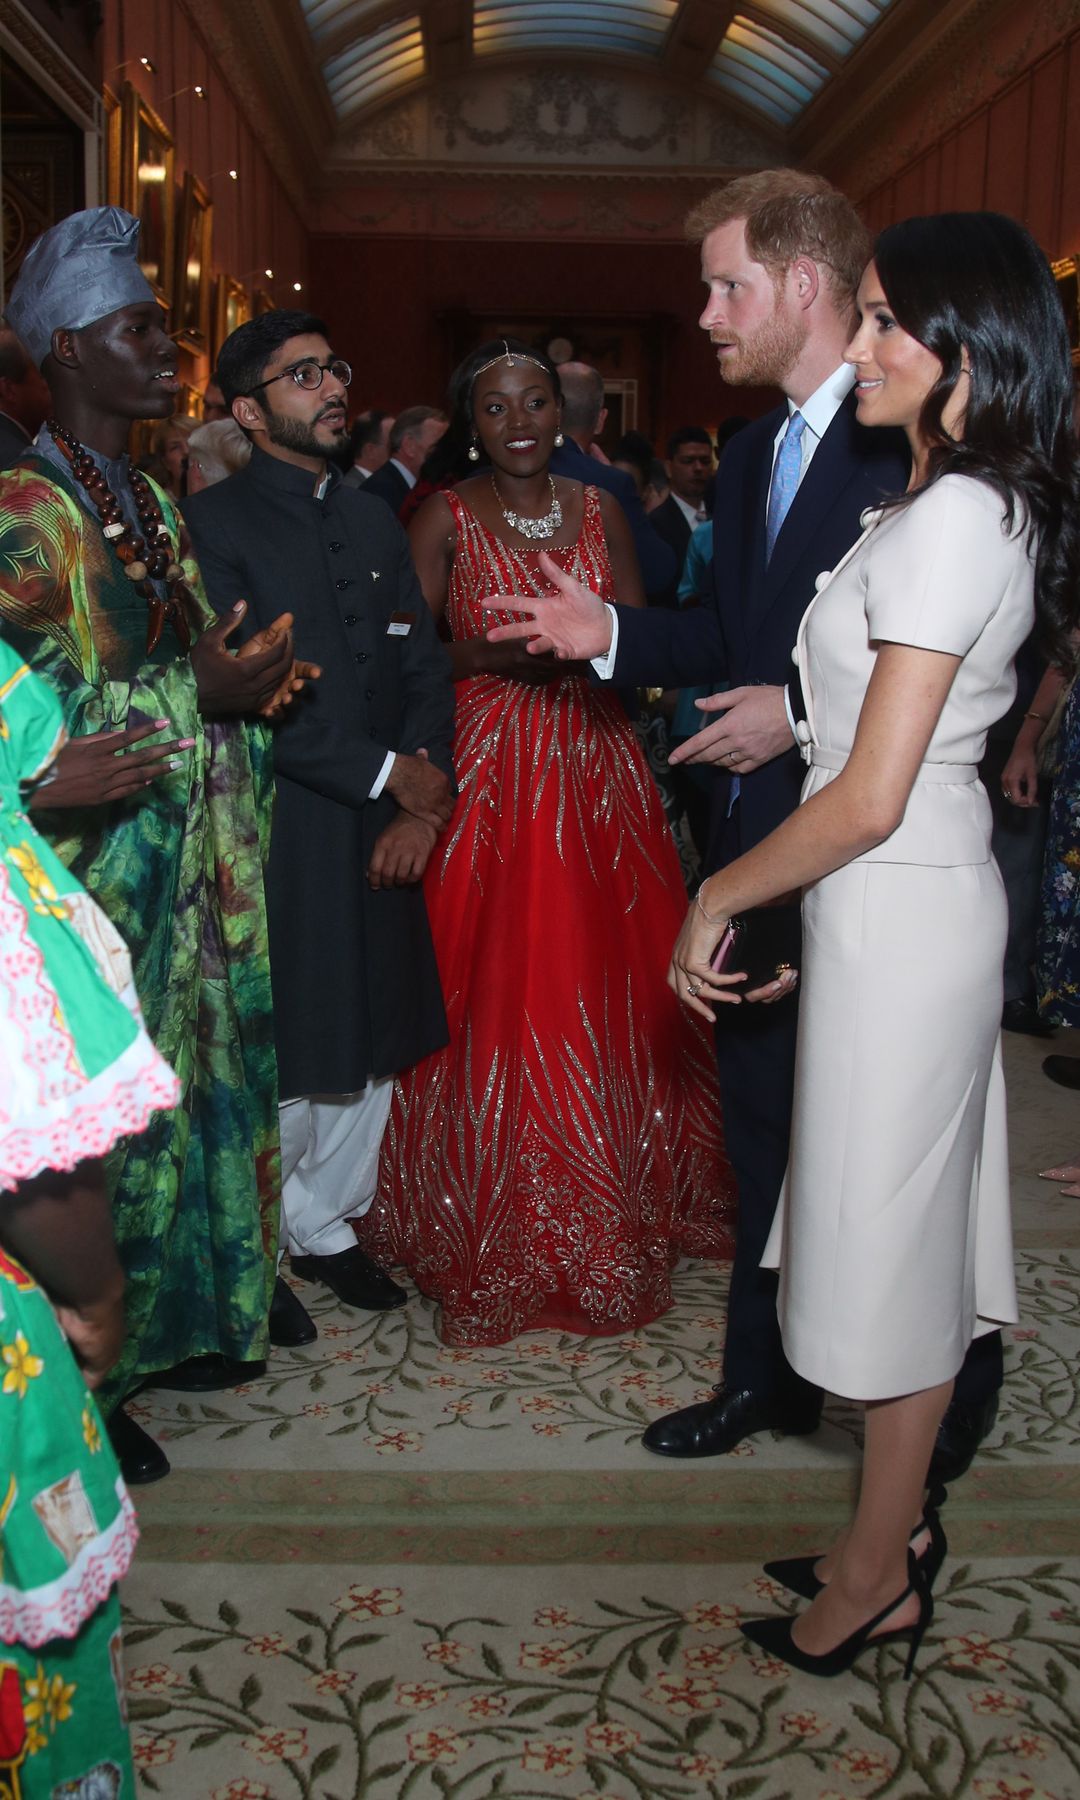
544	527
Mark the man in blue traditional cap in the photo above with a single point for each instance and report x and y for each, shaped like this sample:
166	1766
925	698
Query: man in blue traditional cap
100	593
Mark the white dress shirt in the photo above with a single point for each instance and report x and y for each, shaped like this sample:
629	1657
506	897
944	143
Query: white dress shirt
819	411
694	515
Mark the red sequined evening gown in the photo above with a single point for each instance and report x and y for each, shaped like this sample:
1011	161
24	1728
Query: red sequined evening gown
547	1167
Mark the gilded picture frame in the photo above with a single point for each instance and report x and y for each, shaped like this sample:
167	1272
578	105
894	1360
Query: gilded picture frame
232	307
148	185
1066	272
113	142
191	295
264	302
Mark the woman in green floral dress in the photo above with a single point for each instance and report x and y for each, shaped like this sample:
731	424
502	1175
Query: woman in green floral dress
77	1073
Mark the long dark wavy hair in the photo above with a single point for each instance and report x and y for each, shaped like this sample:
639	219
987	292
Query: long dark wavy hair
459	394
978	282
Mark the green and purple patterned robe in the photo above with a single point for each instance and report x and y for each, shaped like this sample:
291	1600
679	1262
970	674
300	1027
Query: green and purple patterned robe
179	869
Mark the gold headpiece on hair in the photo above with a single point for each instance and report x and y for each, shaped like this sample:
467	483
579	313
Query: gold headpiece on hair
510	357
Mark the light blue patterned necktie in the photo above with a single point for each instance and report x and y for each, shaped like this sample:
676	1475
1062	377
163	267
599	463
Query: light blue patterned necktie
785	481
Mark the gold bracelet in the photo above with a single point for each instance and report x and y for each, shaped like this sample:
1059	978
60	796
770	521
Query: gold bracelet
1043	718
697	901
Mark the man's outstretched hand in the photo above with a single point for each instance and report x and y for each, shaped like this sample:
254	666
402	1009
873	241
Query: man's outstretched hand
751	729
572	624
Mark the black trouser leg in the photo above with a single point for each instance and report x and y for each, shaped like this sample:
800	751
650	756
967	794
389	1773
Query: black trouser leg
1018	840
755	1049
982	1371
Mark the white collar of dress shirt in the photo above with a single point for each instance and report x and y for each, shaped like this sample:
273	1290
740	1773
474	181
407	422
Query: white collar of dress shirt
402	470
822	406
690	513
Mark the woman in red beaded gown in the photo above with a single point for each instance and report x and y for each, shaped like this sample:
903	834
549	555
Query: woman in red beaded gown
545	1169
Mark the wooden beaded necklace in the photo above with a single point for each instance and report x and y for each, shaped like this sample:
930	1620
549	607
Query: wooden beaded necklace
144	559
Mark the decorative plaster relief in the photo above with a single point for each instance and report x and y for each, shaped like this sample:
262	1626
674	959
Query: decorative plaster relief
559	117
395	135
590	209
558	114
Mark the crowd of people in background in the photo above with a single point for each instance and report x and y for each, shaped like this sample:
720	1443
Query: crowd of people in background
388	747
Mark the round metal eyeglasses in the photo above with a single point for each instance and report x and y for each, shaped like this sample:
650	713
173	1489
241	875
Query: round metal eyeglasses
309	374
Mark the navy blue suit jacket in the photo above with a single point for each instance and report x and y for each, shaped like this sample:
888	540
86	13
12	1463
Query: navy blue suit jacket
747	633
655	558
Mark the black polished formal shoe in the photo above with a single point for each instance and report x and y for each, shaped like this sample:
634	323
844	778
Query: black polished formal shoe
354	1278
774	1635
959	1435
798	1572
1065	1070
141	1459
713	1427
290	1322
209	1374
1023	1015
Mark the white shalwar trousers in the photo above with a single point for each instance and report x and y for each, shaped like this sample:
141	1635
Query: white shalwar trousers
330	1165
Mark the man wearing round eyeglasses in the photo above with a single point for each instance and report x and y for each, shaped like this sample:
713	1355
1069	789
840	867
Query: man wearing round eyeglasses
364	784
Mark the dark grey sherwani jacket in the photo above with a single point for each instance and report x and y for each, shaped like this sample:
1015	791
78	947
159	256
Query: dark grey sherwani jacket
356	988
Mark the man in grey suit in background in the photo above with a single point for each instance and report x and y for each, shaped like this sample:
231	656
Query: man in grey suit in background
413	435
369	445
583	415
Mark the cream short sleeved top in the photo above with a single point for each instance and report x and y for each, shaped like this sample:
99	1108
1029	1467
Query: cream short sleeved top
942	573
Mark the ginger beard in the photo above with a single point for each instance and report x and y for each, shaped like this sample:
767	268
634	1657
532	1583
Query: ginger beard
766	355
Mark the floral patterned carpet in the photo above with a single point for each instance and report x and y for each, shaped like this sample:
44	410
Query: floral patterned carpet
389	1568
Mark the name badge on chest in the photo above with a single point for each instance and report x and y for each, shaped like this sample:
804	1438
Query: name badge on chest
401	623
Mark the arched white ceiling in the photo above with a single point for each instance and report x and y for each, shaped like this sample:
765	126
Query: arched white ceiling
770	56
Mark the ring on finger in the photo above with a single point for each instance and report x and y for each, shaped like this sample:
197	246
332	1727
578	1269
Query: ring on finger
692	988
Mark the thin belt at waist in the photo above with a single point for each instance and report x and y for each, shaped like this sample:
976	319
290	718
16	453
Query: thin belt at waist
954	774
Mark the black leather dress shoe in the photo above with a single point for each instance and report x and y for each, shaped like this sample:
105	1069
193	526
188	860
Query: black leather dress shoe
209	1374
290	1322
354	1278
959	1435
1065	1070
713	1427
141	1460
1022	1015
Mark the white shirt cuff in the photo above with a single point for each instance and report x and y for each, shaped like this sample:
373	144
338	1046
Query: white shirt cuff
790	714
605	665
383	776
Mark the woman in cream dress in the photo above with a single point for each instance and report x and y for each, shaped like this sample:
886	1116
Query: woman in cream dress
893	1237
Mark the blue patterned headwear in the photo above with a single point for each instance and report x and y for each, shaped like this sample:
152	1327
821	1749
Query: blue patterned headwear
77	272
